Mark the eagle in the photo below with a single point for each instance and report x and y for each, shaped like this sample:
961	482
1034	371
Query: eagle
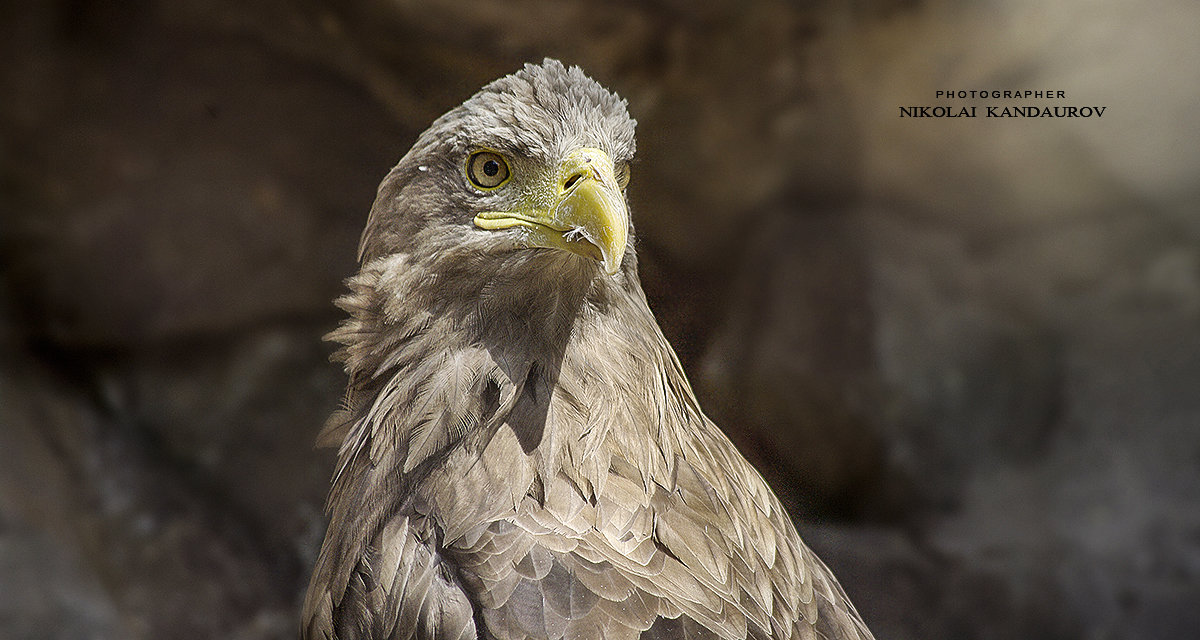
521	454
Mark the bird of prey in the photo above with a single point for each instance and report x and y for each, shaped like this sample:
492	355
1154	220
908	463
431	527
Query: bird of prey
521	455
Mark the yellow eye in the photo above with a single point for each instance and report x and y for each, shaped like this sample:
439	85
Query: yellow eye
623	175
487	169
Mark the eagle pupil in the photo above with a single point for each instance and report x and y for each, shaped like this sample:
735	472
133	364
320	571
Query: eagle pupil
491	168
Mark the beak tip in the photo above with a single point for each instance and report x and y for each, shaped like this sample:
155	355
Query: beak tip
614	254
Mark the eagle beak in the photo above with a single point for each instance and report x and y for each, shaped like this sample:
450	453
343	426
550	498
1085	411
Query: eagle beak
586	213
590	204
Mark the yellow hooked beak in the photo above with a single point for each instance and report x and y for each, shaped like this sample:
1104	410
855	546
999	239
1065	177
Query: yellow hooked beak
583	212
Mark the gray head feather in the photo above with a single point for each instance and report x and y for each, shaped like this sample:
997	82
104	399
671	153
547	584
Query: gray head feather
542	111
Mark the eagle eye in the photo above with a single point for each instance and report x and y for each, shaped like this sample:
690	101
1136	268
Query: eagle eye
623	175
487	169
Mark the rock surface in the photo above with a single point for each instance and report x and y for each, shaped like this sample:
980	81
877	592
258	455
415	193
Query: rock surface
966	352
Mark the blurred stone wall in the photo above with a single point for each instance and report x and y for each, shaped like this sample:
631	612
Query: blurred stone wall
966	353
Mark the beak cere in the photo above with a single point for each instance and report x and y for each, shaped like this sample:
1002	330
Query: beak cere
586	213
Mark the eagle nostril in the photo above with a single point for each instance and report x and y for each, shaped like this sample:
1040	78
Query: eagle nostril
571	181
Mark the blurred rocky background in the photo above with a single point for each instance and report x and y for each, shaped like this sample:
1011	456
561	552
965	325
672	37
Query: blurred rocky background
965	352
